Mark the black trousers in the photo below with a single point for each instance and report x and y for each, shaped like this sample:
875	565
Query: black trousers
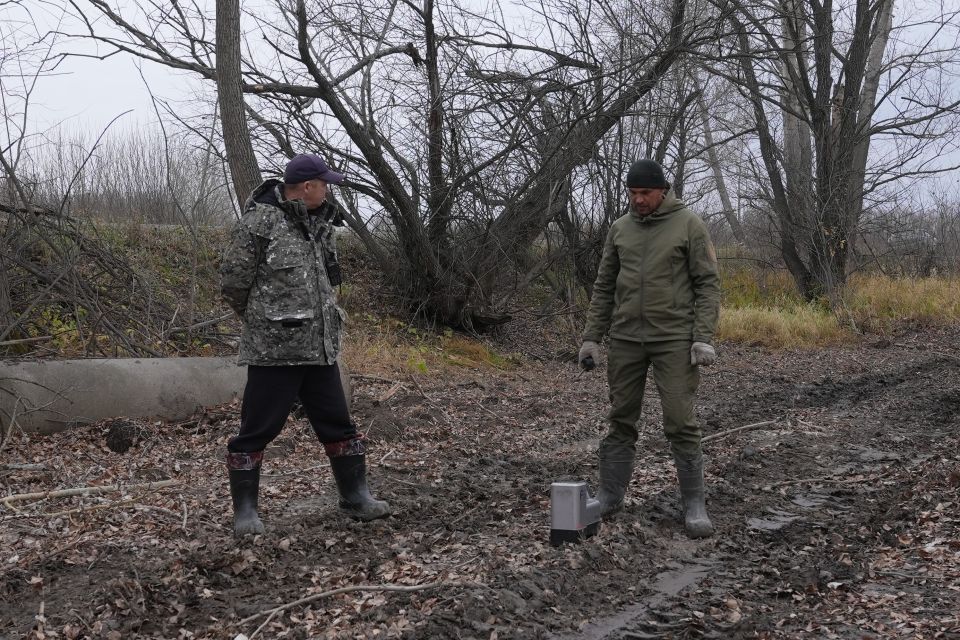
269	396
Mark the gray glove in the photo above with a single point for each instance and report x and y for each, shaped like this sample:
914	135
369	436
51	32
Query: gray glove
702	353
589	354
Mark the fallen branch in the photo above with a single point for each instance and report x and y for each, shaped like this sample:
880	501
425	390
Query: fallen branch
390	393
8	343
22	466
333	592
96	507
728	432
432	402
200	325
84	491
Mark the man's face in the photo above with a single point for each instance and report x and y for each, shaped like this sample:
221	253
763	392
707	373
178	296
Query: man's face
314	193
645	201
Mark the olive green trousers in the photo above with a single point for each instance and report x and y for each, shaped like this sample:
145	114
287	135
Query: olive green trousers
677	381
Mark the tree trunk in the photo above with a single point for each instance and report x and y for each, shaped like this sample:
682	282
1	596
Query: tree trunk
868	102
714	159
236	135
781	204
797	150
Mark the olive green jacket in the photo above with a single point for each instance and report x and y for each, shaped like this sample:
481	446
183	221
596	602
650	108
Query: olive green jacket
657	279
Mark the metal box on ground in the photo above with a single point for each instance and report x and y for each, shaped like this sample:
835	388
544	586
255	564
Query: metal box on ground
574	515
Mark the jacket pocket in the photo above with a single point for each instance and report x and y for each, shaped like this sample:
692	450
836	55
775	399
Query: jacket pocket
285	253
285	280
287	335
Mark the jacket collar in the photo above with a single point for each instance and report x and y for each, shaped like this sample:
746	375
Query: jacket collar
670	205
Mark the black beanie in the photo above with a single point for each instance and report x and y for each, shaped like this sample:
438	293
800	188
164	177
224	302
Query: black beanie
646	174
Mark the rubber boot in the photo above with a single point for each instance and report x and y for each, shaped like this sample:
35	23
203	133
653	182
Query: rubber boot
615	474
244	469
690	474
349	465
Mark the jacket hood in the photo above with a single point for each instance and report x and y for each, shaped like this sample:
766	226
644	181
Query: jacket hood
270	192
266	193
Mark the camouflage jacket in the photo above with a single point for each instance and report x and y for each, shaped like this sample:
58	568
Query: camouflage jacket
278	274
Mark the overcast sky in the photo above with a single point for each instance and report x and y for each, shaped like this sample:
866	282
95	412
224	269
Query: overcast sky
87	93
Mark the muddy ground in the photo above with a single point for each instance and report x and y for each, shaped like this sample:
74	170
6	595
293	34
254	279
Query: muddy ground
838	518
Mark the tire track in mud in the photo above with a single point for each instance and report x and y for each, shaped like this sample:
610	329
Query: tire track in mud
801	508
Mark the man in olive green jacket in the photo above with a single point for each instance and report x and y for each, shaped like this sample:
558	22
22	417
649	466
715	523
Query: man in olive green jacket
657	294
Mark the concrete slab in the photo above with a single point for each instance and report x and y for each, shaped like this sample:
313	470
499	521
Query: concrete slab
52	395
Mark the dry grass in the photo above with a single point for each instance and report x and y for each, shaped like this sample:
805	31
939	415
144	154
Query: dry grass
391	347
880	304
799	326
761	307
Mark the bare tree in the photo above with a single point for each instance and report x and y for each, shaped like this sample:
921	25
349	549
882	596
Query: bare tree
823	88
460	131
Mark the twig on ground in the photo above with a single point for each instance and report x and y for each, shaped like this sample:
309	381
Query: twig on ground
39	562
84	491
199	325
7	343
387	455
392	391
22	466
96	507
8	432
496	415
358	587
432	402
756	425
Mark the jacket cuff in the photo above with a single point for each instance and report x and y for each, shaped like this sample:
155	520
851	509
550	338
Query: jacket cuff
704	339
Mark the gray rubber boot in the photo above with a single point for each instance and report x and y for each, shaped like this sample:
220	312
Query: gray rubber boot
690	474
615	474
350	472
244	472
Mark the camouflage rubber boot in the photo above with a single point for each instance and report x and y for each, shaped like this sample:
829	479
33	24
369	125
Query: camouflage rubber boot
615	474
349	465
690	474
244	469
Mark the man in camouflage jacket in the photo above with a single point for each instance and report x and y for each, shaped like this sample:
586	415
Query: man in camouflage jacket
278	274
657	294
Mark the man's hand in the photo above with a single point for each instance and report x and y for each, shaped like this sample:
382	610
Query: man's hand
702	353
589	355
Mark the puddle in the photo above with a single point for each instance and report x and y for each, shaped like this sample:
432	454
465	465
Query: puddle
875	455
667	585
777	520
810	500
